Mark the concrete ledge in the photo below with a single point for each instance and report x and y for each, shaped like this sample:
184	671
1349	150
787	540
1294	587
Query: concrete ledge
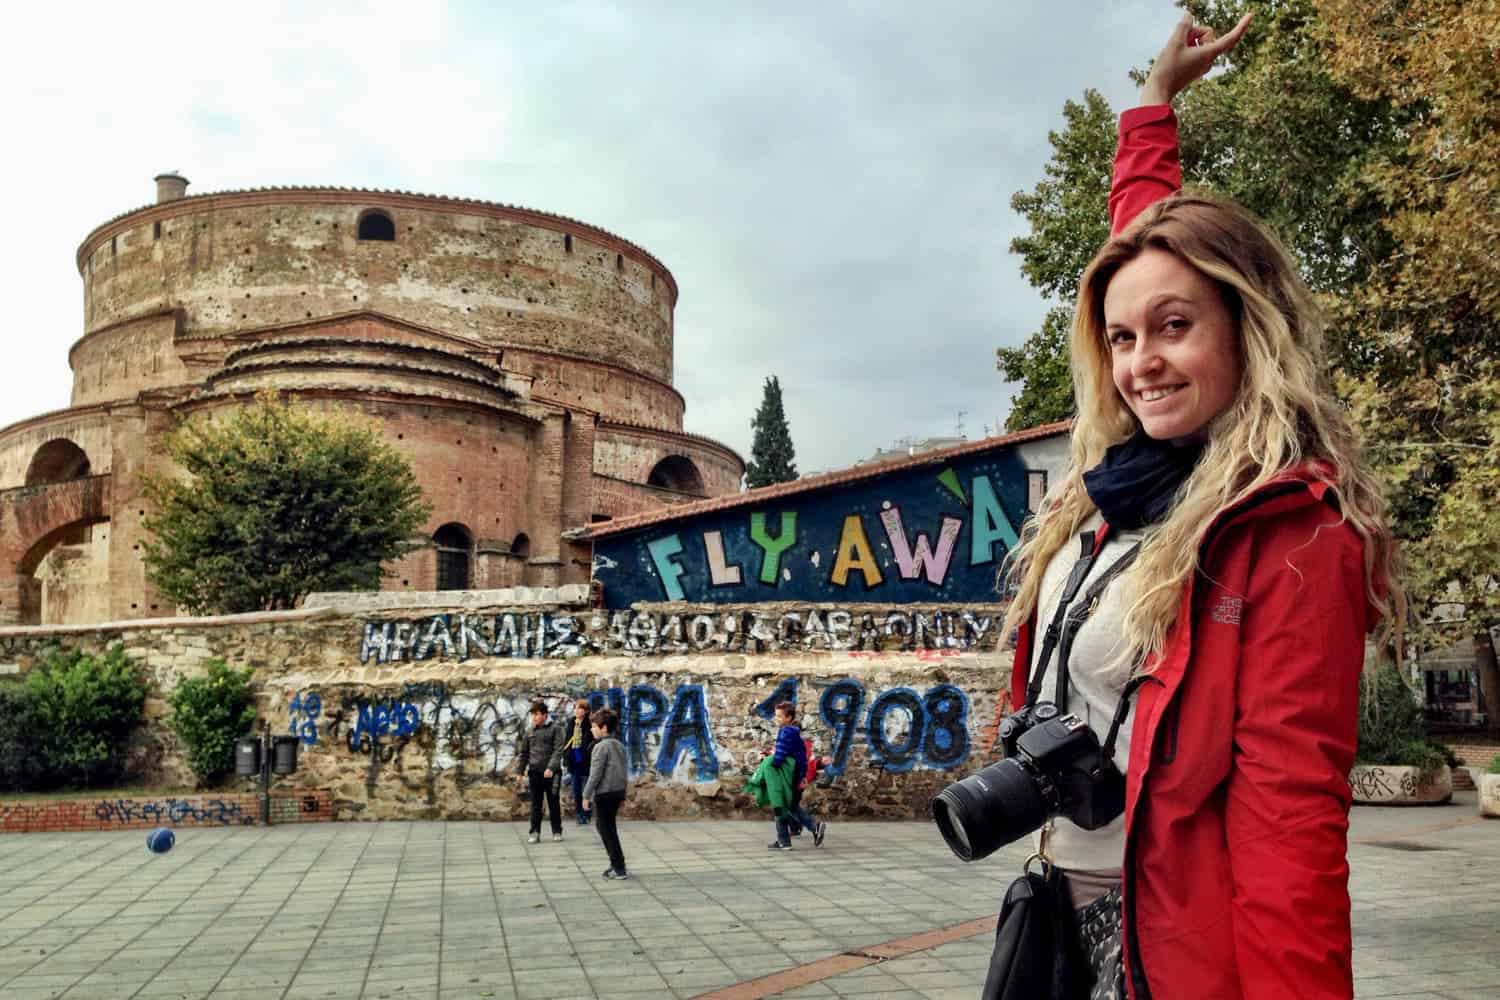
569	595
133	624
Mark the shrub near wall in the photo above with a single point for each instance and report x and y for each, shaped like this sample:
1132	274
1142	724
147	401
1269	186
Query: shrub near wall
208	714
75	711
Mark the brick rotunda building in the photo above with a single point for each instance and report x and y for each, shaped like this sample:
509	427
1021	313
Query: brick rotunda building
521	361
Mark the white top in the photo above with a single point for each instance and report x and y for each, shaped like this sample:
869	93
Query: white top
1098	669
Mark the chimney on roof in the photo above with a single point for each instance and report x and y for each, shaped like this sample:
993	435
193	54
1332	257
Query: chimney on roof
170	187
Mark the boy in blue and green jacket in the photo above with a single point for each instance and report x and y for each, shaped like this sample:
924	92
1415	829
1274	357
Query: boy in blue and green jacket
789	746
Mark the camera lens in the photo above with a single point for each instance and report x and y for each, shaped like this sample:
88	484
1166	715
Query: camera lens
987	810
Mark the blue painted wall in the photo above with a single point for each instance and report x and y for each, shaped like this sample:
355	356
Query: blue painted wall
933	533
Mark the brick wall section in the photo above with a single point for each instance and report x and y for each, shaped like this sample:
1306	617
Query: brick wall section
142	813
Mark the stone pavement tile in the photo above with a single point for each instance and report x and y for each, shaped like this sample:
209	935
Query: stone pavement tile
488	992
549	983
936	980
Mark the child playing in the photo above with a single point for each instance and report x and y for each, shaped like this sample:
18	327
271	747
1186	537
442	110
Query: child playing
578	746
539	757
789	745
605	791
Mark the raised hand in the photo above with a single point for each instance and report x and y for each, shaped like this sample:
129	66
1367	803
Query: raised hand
1190	51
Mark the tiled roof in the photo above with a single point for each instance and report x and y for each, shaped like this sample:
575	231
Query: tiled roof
854	474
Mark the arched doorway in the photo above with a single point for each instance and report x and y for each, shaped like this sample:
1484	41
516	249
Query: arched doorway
455	556
63	578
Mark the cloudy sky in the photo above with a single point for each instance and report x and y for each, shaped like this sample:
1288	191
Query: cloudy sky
829	182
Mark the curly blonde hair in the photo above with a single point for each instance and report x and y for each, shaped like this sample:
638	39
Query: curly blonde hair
1283	415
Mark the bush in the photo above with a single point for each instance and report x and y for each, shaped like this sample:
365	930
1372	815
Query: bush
1449	757
1494	767
21	766
82	708
1391	730
208	714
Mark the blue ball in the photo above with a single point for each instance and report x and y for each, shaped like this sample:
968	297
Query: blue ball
160	840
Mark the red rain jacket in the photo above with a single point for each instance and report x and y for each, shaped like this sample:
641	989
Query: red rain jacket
1237	795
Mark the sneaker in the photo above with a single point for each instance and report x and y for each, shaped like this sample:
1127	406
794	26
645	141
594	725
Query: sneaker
818	833
535	838
614	874
777	845
557	837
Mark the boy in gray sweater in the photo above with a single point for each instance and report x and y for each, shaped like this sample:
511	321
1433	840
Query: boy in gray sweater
605	791
539	757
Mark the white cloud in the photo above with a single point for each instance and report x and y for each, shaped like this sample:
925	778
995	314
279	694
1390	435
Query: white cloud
829	184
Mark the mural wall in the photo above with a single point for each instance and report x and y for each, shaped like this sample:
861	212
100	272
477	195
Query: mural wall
935	532
900	701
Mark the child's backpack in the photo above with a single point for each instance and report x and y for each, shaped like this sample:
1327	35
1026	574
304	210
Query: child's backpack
811	774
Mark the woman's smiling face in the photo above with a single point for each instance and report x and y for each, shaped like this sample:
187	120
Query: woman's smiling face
1174	354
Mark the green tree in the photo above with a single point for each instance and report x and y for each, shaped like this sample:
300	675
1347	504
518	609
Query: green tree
1041	366
1068	214
208	714
277	502
772	457
1430	402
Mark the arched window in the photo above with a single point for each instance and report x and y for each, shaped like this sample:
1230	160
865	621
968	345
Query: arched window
454	547
676	472
57	461
521	546
376	225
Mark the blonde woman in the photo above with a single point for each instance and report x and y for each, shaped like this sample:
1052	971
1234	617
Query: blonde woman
1230	645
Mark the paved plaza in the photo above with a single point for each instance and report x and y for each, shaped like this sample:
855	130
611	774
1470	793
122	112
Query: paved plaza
447	910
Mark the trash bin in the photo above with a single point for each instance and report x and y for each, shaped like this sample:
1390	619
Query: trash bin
284	754
247	756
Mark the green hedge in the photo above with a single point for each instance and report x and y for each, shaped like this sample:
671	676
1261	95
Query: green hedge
1494	767
68	723
1391	728
208	714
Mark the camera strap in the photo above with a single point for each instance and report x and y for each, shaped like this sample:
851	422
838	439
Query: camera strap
1079	613
1054	629
1065	624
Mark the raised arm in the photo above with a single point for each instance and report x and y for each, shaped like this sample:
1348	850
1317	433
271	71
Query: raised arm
1147	166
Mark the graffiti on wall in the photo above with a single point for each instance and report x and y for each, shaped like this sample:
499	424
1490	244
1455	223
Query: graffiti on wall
211	812
900	728
913	535
650	633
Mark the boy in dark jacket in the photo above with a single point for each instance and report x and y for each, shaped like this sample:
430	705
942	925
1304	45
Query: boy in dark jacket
539	757
609	777
789	745
578	745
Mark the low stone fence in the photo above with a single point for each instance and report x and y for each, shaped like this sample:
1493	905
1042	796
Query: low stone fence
407	712
112	813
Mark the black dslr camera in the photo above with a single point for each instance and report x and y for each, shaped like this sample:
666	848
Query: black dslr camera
1053	766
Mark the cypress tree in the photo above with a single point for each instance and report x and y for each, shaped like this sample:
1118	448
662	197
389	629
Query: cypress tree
772	457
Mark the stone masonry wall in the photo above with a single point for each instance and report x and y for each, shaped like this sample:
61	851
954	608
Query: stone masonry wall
407	712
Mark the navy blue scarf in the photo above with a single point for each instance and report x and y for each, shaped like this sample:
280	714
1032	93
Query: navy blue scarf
1135	484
